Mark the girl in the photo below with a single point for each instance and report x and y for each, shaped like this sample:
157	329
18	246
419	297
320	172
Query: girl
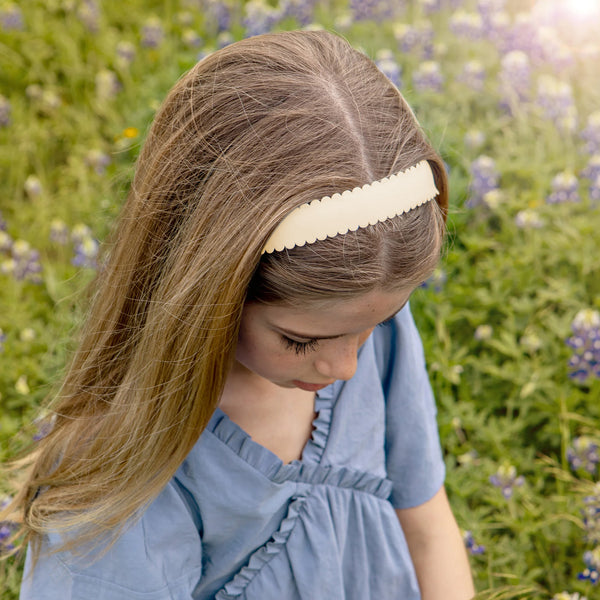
249	401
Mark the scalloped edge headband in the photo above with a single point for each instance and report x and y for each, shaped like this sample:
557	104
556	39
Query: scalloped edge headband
363	206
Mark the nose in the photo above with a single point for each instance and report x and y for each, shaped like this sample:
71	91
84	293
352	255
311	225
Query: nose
338	361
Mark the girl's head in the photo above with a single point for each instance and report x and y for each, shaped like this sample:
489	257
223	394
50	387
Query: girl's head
250	133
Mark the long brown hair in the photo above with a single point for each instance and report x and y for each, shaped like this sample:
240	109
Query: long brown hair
248	134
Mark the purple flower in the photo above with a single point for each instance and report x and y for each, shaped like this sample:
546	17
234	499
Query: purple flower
11	17
468	25
300	10
585	343
125	52
97	160
7	529
375	10
259	17
592	169
5	110
484	179
590	134
591	573
59	232
2	340
86	253
389	67
415	39
472	75
514	80
470	544
88	13
428	77
565	188
583	454
24	265
107	84
506	479
191	38
436	280
591	516
555	97
152	33
595	190
218	15
6	241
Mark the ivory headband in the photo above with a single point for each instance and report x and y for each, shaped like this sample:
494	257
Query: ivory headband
360	207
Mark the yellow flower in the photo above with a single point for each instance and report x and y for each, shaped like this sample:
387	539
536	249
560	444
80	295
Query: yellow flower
130	132
22	386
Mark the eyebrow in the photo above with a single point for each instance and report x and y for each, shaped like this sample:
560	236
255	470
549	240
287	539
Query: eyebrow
331	337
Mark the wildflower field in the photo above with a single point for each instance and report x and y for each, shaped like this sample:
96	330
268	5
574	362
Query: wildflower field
509	93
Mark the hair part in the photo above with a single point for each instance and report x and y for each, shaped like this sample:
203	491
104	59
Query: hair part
247	135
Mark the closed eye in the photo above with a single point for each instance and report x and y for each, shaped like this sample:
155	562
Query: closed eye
300	347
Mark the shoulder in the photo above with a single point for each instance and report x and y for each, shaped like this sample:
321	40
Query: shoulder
156	555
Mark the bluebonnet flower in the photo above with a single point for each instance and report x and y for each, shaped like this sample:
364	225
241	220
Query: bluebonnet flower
11	17
387	64
585	342
565	188
428	77
33	186
125	52
86	253
300	10
592	169
506	479
552	51
484	179
595	190
407	37
259	17
59	232
107	84
514	80
375	10
555	97
153	33
25	265
2	223
218	15
472	75
591	133
468	25
470	544
496	27
567	596
7	529
591	573
487	8
583	454
2	340
88	12
591	516
97	160
5	241
430	6
224	39
436	280
5	110
191	38
528	219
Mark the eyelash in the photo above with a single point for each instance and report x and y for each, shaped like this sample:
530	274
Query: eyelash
312	345
300	347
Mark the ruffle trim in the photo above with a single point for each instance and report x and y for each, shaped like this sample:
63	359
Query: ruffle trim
237	586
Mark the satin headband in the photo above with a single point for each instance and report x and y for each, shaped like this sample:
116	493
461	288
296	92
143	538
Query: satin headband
352	209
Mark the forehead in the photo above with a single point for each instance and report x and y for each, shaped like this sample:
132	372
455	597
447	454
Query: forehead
332	318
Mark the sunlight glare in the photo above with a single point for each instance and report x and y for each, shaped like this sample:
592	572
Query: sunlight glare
584	9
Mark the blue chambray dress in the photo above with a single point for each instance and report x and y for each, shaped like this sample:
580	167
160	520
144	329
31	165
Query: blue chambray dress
236	523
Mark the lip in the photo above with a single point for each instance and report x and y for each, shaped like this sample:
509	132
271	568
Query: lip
310	387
